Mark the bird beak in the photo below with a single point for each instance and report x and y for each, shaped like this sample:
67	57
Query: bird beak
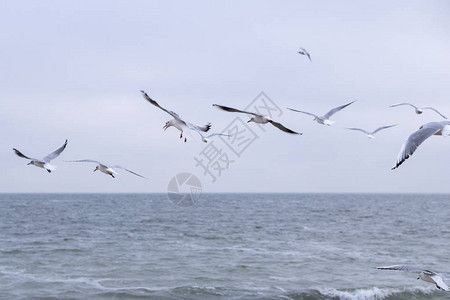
29	163
164	127
95	170
248	121
418	278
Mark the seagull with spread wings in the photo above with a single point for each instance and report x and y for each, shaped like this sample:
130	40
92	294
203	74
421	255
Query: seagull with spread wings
370	135
303	51
325	119
418	137
426	275
177	122
108	170
44	162
419	110
257	118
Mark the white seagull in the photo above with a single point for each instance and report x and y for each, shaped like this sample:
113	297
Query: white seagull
417	138
370	135
425	275
45	162
419	110
257	118
303	51
325	119
176	122
108	170
205	139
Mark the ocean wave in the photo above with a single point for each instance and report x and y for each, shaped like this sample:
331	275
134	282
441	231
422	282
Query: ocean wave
373	293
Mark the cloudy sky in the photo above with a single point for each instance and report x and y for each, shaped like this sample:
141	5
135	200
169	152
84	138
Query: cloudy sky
73	69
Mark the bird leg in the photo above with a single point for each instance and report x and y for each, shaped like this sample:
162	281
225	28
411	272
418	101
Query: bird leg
112	175
181	135
185	140
49	170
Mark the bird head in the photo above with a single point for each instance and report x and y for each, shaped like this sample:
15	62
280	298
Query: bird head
251	120
167	125
96	168
30	163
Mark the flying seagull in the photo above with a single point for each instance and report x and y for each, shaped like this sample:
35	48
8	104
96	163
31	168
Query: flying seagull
425	275
108	170
418	137
419	110
303	51
176	122
370	135
257	118
45	162
325	119
205	139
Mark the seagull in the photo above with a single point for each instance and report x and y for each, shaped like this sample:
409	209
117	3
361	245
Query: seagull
257	118
108	170
419	110
176	122
205	139
304	52
325	119
45	162
370	135
425	275
418	137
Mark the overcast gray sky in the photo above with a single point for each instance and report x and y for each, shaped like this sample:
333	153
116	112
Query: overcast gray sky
73	69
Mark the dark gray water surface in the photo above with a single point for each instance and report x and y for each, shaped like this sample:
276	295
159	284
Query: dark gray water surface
227	246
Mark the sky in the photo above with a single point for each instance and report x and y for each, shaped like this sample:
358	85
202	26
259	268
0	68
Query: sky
73	70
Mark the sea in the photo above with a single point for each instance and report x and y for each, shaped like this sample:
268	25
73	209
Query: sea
223	246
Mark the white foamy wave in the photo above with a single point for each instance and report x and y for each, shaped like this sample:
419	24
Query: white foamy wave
373	293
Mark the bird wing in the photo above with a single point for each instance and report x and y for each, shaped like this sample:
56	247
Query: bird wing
87	160
173	114
336	109
358	129
203	128
394	105
307	54
414	140
383	127
281	127
303	112
18	153
55	153
407	268
231	109
440	283
214	134
119	167
435	110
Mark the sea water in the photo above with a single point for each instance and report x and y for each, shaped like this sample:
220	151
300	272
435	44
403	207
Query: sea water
226	246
